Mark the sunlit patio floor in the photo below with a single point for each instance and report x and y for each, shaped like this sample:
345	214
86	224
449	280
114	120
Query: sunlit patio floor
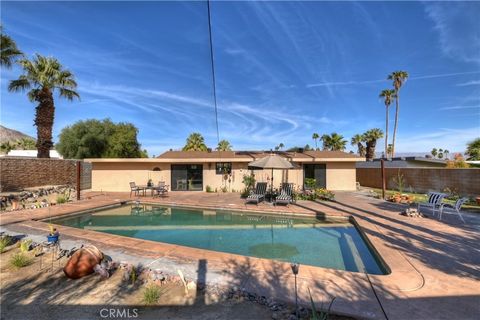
435	264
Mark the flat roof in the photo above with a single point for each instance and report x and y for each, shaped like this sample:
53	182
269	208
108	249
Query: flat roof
238	156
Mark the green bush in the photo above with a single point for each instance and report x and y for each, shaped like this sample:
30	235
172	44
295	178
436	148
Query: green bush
310	183
208	188
61	199
4	242
151	294
25	245
20	260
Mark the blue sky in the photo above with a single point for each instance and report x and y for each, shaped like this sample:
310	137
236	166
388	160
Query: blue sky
284	69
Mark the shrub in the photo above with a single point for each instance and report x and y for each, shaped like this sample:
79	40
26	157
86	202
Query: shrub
310	183
151	294
208	188
245	193
61	199
324	194
4	242
399	181
25	245
249	182
319	315
20	260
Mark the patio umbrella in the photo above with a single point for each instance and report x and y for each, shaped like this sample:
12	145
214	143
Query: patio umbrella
272	161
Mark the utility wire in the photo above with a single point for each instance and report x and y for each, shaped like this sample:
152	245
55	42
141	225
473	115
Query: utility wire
213	69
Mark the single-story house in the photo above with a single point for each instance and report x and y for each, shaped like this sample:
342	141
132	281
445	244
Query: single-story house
214	170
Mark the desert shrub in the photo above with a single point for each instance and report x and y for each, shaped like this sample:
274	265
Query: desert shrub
25	245
151	294
319	315
20	260
249	182
208	188
4	242
399	182
61	199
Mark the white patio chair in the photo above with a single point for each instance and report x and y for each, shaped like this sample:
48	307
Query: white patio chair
434	201
453	209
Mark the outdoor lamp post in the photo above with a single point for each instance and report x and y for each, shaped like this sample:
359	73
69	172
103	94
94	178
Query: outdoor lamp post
295	266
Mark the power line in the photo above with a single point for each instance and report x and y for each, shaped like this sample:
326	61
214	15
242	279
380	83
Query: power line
213	69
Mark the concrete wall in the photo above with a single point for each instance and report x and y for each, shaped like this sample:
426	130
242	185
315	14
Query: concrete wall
115	176
17	173
464	181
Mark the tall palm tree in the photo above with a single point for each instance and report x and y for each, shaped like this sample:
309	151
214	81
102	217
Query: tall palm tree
315	137
281	146
389	151
9	51
387	95
357	140
399	78
224	145
371	137
43	76
195	142
333	142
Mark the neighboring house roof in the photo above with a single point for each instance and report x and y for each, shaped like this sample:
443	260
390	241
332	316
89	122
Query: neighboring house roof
242	156
404	162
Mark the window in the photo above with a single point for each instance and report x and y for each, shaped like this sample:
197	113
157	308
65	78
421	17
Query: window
223	167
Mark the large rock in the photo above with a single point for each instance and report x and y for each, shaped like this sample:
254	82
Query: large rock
83	262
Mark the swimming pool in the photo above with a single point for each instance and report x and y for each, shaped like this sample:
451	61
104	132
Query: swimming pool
326	243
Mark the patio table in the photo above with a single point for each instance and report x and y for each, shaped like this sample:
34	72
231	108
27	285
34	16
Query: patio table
145	187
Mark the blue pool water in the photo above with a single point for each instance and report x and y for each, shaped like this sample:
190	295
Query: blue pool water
323	243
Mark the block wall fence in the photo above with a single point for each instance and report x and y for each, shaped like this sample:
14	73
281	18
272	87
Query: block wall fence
464	181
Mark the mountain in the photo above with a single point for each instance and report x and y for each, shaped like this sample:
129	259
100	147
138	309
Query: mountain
7	134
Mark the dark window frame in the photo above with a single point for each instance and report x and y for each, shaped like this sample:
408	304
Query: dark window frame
220	168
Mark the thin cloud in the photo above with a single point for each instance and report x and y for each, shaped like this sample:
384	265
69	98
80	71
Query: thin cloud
469	83
460	107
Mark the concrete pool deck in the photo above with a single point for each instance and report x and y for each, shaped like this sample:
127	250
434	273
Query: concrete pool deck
435	264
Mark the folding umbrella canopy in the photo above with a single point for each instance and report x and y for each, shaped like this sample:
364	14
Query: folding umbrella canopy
272	161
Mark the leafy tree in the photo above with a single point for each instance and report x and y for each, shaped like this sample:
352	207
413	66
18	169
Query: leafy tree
43	76
371	137
333	142
195	142
387	95
6	147
8	50
26	144
399	78
357	140
315	137
434	152
224	145
473	150
458	162
99	139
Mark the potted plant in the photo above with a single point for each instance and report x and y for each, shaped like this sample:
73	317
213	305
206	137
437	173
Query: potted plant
52	237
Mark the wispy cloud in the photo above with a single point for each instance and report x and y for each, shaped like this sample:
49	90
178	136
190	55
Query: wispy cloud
469	83
460	107
457	26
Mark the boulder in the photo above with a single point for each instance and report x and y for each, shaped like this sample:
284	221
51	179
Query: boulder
83	262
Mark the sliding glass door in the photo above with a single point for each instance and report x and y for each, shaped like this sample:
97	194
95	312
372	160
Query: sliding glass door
187	177
317	172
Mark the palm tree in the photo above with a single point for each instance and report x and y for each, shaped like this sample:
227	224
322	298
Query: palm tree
434	152
357	140
9	51
281	146
224	145
333	142
371	137
473	150
399	78
315	137
446	152
389	150
195	142
387	95
44	75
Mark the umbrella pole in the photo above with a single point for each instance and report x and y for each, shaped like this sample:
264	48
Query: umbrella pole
271	188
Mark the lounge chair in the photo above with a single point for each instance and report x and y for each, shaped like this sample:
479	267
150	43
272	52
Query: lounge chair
434	201
259	193
161	189
286	194
453	209
136	189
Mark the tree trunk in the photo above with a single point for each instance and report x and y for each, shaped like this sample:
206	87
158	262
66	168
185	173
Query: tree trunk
44	116
386	132
361	149
371	149
397	106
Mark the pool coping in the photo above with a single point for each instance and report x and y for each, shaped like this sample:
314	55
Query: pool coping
403	277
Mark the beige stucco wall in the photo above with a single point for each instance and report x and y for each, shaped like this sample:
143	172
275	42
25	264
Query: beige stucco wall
115	176
341	176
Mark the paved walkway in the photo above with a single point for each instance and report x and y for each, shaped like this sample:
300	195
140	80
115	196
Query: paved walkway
435	264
